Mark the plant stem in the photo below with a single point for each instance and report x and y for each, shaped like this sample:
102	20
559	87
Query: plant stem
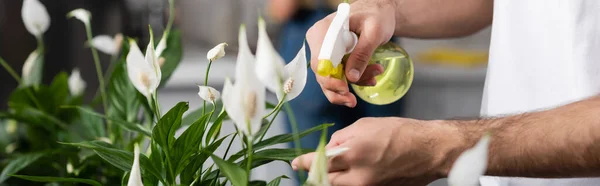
277	109
249	160
171	16
156	105
206	84
99	73
10	70
295	135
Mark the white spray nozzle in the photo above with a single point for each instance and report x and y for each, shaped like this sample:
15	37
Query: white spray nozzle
339	41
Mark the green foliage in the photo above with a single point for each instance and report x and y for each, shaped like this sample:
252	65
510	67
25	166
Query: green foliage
77	142
172	54
58	179
233	172
18	164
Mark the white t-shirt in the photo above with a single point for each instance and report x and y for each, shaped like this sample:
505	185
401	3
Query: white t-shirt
543	54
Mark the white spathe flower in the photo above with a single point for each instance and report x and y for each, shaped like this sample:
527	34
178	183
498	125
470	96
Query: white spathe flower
76	83
217	52
289	79
143	72
244	101
162	45
269	64
209	94
295	77
470	165
35	17
108	45
82	14
317	175
28	66
135	176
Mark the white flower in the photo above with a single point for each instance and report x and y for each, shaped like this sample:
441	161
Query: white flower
76	83
244	101
107	44
35	17
269	64
470	165
144	73
217	52
28	66
209	94
289	79
295	79
317	176
162	45
82	14
135	176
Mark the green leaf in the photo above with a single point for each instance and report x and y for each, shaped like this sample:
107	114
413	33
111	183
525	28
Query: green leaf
164	131
36	72
191	116
18	164
215	128
188	143
122	95
270	105
270	155
58	179
91	124
119	158
156	155
283	138
124	124
172	55
279	154
276	181
233	172
187	176
258	183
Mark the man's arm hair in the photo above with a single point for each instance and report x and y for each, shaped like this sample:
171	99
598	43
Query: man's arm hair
441	18
563	142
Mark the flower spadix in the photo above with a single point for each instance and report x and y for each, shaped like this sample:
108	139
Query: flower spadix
470	165
144	72
282	79
244	101
135	175
35	17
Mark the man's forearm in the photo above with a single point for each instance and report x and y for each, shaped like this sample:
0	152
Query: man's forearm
557	143
441	18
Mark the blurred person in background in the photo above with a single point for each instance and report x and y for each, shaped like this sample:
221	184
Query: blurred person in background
312	107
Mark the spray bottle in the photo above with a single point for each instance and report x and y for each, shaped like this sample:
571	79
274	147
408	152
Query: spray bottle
339	42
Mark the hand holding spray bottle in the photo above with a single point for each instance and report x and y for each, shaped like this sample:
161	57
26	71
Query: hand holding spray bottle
339	41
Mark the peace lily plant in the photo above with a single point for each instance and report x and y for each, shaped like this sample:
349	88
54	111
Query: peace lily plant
121	137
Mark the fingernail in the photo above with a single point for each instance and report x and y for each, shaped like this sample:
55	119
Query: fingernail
354	74
376	73
294	167
348	105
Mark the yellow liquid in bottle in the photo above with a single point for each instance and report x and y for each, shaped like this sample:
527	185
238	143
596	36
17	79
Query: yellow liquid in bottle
395	80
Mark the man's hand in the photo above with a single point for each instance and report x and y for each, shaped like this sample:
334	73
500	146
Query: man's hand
374	21
389	151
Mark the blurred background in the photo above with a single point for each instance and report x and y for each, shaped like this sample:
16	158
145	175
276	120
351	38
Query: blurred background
448	83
